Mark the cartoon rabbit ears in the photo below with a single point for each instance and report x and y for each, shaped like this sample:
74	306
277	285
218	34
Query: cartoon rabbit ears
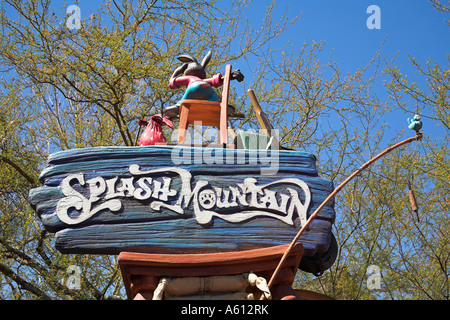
186	58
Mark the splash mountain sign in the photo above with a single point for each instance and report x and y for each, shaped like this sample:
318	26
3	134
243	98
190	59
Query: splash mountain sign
110	194
110	199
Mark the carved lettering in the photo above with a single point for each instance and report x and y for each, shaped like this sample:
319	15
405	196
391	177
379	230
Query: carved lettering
83	199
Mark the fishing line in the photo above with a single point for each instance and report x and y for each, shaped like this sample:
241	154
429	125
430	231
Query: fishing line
418	136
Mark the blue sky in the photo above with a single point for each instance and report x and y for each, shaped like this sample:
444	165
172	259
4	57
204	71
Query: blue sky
407	28
411	27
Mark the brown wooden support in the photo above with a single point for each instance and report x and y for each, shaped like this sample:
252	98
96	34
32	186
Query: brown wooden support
141	272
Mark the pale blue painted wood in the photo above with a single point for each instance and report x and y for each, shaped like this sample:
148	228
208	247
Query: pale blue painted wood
137	226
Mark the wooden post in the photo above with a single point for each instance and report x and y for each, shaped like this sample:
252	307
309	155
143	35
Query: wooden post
224	107
262	118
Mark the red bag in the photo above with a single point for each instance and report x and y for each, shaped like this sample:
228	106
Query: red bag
153	133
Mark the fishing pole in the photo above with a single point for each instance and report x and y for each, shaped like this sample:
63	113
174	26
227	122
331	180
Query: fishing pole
417	137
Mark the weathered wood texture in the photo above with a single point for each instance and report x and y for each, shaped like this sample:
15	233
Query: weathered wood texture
141	272
171	199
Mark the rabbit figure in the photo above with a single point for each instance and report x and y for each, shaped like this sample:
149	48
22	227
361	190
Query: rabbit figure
192	75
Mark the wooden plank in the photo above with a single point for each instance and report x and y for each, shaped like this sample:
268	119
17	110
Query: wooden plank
186	236
224	106
260	115
172	198
208	112
141	272
140	211
208	260
117	159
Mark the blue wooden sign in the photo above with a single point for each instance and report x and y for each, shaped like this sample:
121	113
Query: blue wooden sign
174	199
